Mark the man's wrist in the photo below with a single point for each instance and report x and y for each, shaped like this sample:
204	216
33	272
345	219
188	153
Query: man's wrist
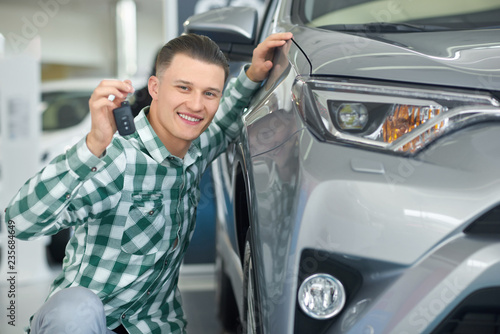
82	161
94	146
251	74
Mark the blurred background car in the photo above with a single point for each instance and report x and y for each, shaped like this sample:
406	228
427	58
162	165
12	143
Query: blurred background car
65	114
362	195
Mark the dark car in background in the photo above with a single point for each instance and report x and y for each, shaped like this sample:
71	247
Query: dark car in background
363	193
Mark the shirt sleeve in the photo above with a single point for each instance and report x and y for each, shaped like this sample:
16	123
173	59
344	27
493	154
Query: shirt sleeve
227	125
53	199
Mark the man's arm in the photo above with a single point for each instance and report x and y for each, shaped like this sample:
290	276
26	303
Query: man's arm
238	93
49	201
52	199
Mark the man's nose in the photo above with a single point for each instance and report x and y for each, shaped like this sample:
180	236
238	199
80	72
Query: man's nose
195	102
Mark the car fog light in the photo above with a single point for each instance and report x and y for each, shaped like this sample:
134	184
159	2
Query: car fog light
321	296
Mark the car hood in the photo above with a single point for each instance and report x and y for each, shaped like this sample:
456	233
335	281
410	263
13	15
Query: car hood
452	58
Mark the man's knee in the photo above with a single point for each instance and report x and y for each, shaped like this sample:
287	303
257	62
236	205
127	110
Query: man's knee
70	311
76	302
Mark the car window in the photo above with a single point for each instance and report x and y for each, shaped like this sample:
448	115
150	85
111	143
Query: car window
64	109
448	14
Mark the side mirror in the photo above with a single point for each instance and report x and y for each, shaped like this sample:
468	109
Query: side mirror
234	29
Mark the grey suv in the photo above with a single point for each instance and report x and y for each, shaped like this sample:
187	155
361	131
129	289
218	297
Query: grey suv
363	195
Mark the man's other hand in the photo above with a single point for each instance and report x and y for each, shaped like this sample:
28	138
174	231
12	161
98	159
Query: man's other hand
263	55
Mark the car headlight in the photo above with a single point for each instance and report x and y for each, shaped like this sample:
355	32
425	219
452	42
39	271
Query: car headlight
395	118
321	296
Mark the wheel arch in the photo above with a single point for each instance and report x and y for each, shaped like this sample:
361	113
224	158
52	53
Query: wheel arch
242	201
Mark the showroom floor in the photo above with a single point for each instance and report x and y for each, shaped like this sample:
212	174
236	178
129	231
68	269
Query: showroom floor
196	284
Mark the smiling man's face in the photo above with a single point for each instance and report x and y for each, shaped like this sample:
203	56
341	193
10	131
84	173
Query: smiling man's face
185	99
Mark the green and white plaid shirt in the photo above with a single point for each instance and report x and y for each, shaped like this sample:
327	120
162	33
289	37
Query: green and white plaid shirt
133	212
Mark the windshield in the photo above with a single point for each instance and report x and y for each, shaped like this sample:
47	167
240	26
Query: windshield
424	14
64	109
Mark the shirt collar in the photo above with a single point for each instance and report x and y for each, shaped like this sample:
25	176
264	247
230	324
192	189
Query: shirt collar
156	148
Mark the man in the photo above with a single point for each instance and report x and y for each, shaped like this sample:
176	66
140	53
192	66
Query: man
132	200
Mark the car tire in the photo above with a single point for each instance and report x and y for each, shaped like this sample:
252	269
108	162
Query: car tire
251	309
227	310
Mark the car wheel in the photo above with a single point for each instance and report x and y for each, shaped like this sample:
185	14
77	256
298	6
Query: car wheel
251	312
227	309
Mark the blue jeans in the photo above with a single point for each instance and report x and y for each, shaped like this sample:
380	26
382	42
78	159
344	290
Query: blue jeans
74	310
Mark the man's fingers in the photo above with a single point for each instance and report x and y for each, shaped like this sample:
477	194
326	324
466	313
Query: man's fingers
263	54
120	89
265	49
278	39
101	103
110	93
280	36
125	85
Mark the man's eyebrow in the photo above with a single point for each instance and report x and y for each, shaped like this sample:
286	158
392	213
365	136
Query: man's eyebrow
188	83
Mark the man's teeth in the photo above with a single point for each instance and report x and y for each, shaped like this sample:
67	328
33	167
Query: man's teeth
191	119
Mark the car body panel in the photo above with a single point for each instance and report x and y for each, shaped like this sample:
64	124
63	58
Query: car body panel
451	60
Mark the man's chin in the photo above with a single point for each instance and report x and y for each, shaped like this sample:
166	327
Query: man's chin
191	132
190	135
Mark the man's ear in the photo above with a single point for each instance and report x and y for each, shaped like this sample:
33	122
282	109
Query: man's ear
153	87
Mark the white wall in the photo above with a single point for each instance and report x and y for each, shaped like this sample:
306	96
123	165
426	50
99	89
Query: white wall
79	33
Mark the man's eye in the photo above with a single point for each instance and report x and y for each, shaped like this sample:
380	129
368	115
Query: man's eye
210	94
182	87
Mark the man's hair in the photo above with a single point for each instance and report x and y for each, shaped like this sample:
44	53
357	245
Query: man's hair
192	45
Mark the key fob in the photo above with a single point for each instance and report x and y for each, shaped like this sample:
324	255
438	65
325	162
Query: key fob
124	119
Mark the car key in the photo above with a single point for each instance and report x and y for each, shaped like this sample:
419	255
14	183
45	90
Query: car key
123	118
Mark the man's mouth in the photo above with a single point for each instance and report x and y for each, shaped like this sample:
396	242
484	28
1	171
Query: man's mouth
189	118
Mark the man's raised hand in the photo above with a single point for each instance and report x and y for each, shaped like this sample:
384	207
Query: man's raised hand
101	111
263	55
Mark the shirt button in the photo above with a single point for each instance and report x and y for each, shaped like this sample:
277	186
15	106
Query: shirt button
94	169
123	316
151	212
149	292
68	196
